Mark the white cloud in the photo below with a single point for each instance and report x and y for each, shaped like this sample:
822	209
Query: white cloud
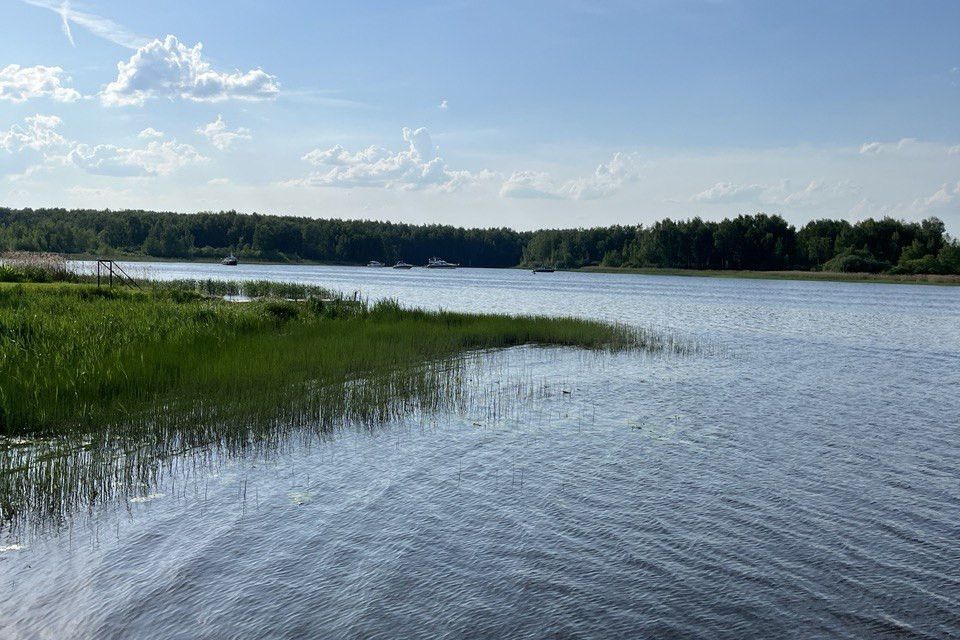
337	155
150	134
65	22
221	137
814	192
419	167
606	180
876	148
943	197
18	84
170	69
29	172
530	184
782	193
729	192
954	150
155	159
38	132
97	25
216	182
443	105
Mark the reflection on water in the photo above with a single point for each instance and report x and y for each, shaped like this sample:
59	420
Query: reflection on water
47	479
804	482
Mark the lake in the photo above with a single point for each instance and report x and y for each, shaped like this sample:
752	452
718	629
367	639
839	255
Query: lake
797	475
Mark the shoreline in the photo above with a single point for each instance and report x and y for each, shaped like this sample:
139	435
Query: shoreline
815	276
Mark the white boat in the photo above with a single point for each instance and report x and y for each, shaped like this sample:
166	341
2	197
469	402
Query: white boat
437	263
374	263
230	261
403	265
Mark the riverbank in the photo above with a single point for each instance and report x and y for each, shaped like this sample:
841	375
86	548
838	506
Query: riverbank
824	276
73	356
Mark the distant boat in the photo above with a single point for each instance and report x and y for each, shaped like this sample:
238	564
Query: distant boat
374	263
402	265
230	261
544	270
437	263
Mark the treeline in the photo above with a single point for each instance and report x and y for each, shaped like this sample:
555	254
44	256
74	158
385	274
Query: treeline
252	236
754	242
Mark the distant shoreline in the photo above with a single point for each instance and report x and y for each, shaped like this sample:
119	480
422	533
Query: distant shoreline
825	276
821	276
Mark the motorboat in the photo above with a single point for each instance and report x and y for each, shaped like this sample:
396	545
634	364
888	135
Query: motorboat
437	263
375	263
544	270
403	265
230	261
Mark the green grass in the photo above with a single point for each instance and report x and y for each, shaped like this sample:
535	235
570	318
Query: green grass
76	357
100	388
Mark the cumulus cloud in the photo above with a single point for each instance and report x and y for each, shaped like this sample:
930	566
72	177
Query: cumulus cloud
606	180
168	68
418	167
37	132
150	134
157	158
954	150
19	84
338	156
221	137
443	105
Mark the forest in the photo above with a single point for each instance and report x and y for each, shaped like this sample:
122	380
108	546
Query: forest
747	242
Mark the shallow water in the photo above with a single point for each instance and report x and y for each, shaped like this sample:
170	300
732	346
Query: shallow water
798	478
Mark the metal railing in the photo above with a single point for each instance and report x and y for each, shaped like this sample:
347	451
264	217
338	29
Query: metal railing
107	269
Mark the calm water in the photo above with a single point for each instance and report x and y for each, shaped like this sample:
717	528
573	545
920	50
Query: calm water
799	478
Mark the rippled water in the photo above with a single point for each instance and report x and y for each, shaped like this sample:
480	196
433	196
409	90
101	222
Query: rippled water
800	478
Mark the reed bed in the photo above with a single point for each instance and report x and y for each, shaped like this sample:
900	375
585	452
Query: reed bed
97	385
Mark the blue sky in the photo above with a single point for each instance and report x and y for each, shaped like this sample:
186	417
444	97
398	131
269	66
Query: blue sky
525	114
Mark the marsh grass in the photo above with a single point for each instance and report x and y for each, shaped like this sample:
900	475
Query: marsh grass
77	357
97	386
26	266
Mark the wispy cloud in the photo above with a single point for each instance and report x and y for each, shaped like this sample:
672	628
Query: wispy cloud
65	22
321	97
97	25
607	180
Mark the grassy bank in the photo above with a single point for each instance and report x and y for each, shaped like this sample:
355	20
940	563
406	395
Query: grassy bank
829	276
76	357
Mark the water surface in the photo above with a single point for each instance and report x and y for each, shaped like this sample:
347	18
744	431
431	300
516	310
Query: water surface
798	478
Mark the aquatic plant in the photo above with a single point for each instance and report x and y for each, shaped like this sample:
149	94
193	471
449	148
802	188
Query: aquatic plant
99	384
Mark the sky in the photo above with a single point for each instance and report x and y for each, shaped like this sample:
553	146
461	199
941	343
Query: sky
524	114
